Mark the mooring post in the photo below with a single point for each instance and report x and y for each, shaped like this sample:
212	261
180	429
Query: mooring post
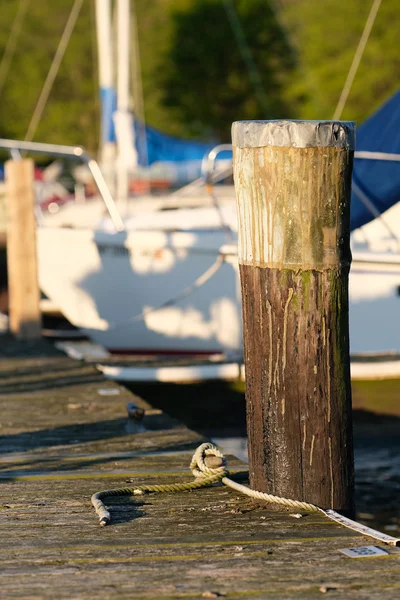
293	181
24	296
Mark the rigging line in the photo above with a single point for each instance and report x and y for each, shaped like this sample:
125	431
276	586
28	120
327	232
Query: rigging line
246	53
11	44
95	71
313	88
52	74
357	59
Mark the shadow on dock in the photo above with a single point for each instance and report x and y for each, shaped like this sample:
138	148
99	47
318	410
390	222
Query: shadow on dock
77	433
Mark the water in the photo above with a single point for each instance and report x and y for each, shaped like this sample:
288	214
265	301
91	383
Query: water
377	469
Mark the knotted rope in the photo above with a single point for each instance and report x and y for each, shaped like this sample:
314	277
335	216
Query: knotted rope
209	466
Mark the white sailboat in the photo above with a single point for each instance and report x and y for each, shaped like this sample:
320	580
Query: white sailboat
130	290
172	287
162	281
157	290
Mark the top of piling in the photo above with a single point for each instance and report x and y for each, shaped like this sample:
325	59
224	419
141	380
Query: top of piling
293	133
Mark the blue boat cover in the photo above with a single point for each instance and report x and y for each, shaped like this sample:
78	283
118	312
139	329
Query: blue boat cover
151	145
154	146
379	180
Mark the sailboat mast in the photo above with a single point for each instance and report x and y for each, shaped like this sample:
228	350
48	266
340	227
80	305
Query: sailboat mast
123	118
106	80
123	47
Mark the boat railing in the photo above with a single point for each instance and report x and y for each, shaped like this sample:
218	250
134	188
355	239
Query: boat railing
208	172
15	147
366	154
208	163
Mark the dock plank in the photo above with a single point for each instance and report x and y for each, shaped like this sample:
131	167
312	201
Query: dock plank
61	440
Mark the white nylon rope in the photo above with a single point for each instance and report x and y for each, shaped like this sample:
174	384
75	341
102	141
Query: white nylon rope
207	475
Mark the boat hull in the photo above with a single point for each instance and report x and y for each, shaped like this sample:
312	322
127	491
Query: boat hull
145	291
160	292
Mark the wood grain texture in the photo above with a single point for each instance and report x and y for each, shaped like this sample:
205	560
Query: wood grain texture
293	206
24	295
62	440
297	384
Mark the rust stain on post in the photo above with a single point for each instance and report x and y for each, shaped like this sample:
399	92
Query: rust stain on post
292	183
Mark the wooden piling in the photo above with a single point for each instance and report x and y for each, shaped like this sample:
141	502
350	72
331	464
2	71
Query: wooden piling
293	182
24	296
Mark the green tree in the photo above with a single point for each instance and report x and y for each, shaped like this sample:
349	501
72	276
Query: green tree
326	34
71	115
207	82
195	79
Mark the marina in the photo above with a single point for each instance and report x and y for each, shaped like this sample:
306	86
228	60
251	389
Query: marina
199	332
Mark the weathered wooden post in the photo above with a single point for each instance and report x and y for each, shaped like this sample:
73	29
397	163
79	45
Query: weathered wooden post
24	296
292	182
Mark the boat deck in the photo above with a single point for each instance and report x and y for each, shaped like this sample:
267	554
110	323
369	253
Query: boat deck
65	435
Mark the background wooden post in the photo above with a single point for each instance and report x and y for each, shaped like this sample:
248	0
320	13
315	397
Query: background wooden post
24	296
292	182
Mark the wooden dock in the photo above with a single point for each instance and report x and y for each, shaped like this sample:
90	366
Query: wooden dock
65	435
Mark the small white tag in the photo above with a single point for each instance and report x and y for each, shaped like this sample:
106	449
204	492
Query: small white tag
108	392
363	551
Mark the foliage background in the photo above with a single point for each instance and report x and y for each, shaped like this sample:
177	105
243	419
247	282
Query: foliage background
194	77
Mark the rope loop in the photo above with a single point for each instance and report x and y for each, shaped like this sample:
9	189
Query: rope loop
204	474
198	463
215	471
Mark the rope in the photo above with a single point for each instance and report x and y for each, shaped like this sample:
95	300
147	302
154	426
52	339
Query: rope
204	476
286	502
52	74
209	466
11	44
357	59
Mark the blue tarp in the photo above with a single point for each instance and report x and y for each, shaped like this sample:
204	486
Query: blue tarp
154	146
379	180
